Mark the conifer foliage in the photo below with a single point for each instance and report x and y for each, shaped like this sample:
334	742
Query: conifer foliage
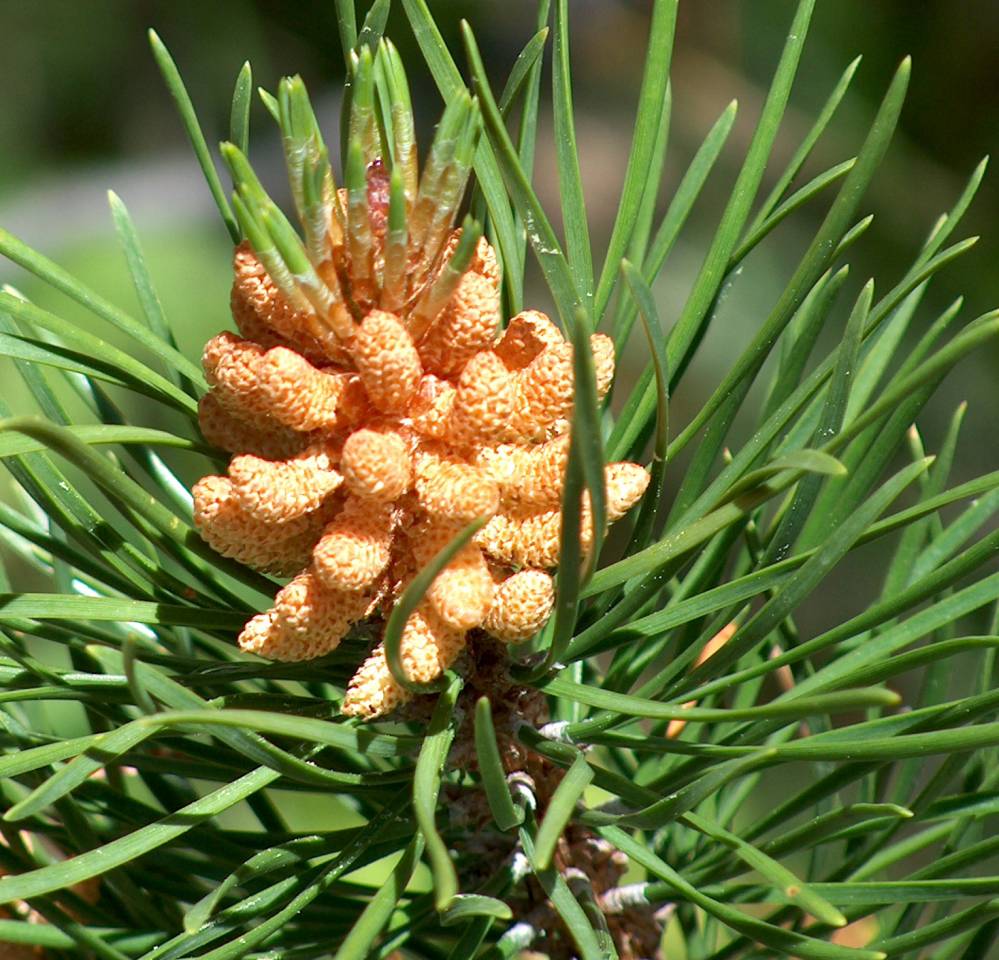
463	645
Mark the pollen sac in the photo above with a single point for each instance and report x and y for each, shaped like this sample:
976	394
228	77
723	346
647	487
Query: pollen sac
377	464
543	392
626	482
450	489
230	364
356	547
388	362
602	348
299	395
462	592
278	383
430	411
279	490
469	321
523	539
525	337
528	476
521	606
484	401
429	645
373	691
374	406
308	620
262	313
262	436
427	648
270	547
531	537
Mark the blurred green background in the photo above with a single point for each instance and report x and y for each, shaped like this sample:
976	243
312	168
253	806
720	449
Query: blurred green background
84	110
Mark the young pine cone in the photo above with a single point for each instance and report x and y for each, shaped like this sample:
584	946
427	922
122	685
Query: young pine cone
374	408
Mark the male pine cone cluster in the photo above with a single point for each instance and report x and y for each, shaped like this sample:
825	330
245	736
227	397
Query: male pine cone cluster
372	420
